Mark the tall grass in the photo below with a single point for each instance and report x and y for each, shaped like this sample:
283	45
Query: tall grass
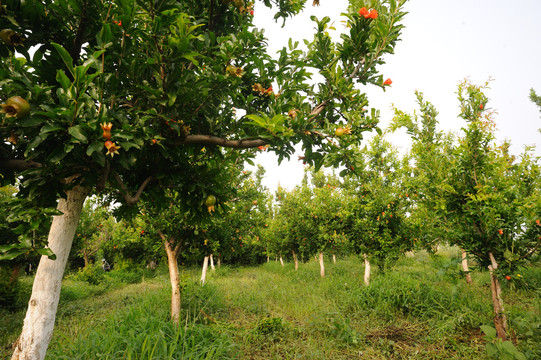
420	309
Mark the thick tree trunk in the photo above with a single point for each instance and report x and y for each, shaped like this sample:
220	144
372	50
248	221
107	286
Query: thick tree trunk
334	258
281	261
366	270
295	260
204	272
321	265
211	258
465	266
500	320
172	255
40	316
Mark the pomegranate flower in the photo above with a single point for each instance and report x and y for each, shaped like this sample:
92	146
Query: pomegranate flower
112	148
387	82
368	14
106	127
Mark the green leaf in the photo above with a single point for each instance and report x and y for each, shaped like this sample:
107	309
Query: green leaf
92	148
489	331
46	252
66	57
50	128
63	80
77	133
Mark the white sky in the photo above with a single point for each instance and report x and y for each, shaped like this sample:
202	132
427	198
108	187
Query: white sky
444	42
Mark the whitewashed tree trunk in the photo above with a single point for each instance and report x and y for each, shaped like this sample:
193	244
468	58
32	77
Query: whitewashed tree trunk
500	320
321	265
465	266
40	317
366	270
212	262
204	272
219	261
172	256
334	258
268	258
295	260
281	261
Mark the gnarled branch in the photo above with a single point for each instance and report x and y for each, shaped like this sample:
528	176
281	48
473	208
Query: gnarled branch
18	165
131	200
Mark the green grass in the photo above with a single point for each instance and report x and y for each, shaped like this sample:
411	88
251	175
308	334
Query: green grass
420	309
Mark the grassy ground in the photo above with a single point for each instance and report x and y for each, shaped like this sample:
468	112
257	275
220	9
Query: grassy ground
421	309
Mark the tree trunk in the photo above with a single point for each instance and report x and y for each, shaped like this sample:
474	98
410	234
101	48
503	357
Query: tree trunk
321	265
85	257
40	316
465	266
172	255
268	258
219	261
334	258
281	261
500	320
295	260
366	270
211	258
204	272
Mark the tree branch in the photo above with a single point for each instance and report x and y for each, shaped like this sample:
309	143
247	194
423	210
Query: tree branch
131	200
18	165
214	140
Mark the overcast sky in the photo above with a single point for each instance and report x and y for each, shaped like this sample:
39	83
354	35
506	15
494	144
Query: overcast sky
444	42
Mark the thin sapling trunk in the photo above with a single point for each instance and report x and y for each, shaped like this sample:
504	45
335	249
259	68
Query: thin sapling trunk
465	266
172	256
204	272
321	265
366	270
500	320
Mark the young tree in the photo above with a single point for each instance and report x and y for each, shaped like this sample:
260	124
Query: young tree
491	197
151	83
381	200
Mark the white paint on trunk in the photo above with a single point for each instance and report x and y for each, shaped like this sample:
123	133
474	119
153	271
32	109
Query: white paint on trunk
366	270
334	258
40	317
281	261
211	258
204	272
465	267
321	265
175	281
295	260
268	258
219	261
